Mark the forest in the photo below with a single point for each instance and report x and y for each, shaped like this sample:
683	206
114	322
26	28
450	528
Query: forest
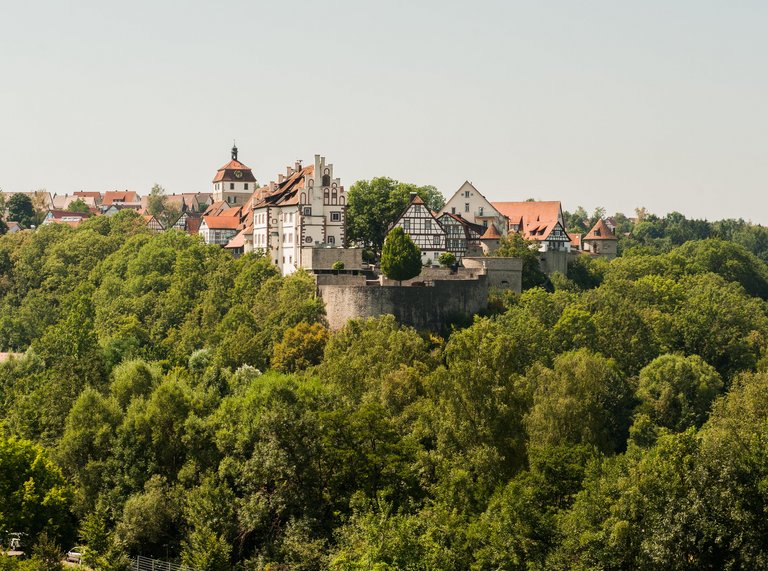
171	401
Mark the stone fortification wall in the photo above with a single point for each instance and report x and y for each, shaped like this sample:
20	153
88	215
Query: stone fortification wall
432	274
340	279
323	258
502	273
553	261
427	308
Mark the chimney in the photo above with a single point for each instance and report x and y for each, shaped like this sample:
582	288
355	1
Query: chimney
298	165
280	178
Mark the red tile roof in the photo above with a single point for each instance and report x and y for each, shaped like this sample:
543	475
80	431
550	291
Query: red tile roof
286	192
111	197
238	241
491	233
222	222
227	173
600	231
537	219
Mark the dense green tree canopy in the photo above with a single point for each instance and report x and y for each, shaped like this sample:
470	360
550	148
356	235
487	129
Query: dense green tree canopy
170	400
21	210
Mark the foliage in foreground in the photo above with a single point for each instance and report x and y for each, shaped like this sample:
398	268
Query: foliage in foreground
174	402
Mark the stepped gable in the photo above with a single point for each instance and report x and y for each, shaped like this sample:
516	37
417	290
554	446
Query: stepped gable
285	192
600	231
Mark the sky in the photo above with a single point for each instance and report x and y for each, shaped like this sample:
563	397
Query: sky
612	103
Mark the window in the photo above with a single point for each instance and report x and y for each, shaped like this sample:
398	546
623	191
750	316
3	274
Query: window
453	210
428	226
246	186
466	207
335	216
466	194
231	186
326	178
331	239
480	211
406	225
307	211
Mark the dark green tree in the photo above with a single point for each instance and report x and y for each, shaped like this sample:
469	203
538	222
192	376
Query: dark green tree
21	210
400	257
78	205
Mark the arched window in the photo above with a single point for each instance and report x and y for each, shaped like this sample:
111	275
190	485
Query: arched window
326	178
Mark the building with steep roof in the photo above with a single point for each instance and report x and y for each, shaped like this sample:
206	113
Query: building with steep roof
422	226
601	240
304	209
219	229
471	205
234	183
462	236
541	222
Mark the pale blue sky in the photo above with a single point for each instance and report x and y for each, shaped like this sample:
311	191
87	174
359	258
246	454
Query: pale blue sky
649	103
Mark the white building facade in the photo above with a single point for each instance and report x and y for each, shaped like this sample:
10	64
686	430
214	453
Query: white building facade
304	209
471	205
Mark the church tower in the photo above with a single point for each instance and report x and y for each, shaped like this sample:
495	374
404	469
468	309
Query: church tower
234	182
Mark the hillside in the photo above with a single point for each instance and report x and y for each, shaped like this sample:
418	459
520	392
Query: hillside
172	401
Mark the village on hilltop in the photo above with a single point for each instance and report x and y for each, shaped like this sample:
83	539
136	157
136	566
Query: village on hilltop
299	221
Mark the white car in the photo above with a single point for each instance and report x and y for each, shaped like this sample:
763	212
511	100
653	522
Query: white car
75	554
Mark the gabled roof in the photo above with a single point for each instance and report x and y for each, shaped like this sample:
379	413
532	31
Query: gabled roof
120	196
470	227
600	231
222	222
536	218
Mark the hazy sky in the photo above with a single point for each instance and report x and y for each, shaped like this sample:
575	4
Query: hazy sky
662	104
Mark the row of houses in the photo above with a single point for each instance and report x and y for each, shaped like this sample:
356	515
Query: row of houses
305	209
470	225
184	210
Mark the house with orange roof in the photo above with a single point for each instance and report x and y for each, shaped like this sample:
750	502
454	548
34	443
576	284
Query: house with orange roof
541	222
219	229
601	240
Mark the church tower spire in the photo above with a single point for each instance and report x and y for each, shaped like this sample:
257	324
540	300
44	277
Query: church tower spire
234	150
